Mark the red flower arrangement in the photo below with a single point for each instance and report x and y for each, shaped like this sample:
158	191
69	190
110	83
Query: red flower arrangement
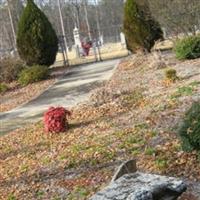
55	119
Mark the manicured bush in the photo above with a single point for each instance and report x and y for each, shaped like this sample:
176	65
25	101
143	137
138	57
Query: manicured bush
55	120
3	87
37	42
171	74
33	74
10	69
190	129
188	48
140	29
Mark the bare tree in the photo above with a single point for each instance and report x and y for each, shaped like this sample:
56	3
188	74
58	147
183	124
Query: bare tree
92	17
177	16
12	24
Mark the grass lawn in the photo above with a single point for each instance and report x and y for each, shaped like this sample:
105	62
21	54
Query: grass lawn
107	51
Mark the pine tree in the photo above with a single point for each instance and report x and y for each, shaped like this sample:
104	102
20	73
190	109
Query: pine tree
140	28
37	42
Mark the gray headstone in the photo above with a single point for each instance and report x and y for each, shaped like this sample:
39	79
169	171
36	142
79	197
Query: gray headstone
125	168
141	186
127	184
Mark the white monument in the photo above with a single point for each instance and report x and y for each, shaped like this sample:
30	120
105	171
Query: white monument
123	40
77	40
101	40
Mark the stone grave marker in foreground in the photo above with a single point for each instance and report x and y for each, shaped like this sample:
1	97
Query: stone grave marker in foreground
128	184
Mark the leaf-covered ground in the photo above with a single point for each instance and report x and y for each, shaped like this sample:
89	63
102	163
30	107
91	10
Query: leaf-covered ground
135	115
17	95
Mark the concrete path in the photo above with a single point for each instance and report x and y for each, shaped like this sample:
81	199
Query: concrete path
73	88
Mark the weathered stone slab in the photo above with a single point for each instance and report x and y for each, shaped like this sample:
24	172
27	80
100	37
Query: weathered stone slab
141	186
125	168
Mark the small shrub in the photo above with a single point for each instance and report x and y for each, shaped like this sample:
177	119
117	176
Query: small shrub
55	119
171	74
190	129
10	69
188	48
3	87
33	74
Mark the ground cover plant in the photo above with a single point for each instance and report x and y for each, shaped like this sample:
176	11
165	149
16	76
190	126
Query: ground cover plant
33	74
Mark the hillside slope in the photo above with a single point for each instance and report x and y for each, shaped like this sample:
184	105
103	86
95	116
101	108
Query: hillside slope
134	115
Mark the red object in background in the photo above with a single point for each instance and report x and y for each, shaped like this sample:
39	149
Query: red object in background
55	119
86	48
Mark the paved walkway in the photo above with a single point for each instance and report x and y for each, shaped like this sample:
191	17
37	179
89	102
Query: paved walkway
73	88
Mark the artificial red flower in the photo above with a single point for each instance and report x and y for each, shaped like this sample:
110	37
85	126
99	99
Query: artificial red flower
55	119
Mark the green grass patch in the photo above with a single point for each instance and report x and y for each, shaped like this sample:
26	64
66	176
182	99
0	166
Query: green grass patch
11	197
153	133
79	193
195	83
3	87
46	160
184	91
161	163
141	126
39	194
24	168
150	151
133	99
